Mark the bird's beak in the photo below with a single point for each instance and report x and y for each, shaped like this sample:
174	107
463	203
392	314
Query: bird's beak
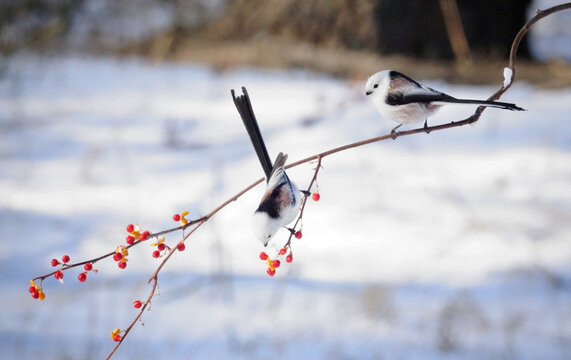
368	93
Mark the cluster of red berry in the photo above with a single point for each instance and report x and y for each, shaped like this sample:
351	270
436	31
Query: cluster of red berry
36	291
59	274
135	234
87	267
120	256
115	335
161	246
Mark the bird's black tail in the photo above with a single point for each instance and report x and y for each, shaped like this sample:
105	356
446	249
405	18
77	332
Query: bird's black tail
244	107
496	104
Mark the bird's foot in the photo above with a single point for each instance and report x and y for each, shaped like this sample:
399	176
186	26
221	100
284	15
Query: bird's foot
426	127
290	230
394	133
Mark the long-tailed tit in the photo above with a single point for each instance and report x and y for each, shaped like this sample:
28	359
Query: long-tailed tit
401	99
281	201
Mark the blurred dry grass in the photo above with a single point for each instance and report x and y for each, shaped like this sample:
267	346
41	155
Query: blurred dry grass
279	53
338	37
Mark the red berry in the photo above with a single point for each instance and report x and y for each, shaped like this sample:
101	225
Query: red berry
137	304
58	275
283	251
122	264
271	271
88	267
144	236
289	258
130	228
82	277
117	338
156	253
176	217
130	239
276	263
315	196
32	289
117	256
263	256
180	246
55	262
161	246
36	294
64	259
298	234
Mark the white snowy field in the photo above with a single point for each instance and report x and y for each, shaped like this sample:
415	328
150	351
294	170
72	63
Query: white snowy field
453	245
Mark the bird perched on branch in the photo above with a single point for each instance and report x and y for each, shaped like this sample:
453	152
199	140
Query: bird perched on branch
281	201
401	99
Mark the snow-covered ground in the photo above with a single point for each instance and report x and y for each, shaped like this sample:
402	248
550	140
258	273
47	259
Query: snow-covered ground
455	244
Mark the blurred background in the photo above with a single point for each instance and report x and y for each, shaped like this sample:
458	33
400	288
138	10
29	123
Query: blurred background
452	245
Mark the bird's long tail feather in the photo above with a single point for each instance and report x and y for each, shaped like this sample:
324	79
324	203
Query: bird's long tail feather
496	104
244	107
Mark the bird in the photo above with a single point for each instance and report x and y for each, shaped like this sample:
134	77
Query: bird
402	99
281	201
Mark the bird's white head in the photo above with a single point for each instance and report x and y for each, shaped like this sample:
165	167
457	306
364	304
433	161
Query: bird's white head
378	85
264	226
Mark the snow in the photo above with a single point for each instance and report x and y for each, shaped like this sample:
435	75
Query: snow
508	76
448	245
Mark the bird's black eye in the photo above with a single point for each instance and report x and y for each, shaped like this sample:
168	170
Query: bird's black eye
376	86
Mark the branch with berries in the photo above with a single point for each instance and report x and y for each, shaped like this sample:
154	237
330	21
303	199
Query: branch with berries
136	235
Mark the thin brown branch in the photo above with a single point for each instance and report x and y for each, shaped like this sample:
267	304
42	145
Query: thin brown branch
300	217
